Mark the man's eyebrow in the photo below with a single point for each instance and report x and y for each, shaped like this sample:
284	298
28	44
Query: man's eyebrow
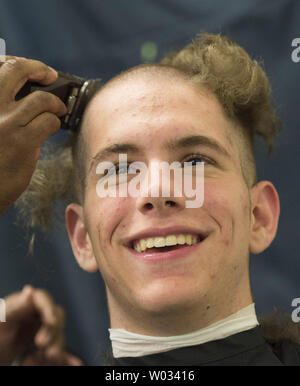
197	140
116	148
172	145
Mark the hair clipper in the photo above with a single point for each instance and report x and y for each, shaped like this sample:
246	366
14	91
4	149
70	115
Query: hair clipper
74	91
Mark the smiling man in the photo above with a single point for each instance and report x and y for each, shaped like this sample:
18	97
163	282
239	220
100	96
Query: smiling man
187	288
177	278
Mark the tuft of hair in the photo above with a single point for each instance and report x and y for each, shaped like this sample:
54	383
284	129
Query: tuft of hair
239	82
52	179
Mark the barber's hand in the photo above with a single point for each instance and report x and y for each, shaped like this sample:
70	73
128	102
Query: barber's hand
24	124
34	330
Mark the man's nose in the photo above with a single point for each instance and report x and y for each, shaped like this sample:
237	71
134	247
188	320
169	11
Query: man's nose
160	191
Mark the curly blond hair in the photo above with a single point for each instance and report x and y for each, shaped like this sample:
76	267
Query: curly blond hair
211	61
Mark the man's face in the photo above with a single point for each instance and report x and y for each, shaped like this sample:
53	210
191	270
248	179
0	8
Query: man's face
148	113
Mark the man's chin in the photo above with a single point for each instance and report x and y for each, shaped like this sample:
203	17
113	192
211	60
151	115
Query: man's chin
166	300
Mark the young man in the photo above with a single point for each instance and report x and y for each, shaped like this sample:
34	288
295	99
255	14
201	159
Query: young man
177	278
185	304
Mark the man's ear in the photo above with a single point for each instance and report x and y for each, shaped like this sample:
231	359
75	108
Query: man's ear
265	210
79	238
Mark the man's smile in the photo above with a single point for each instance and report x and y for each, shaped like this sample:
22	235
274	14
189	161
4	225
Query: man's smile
164	243
166	253
156	244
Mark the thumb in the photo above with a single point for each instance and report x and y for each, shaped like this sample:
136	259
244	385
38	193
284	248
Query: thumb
19	304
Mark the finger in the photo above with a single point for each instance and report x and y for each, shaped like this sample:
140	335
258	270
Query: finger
37	103
35	70
19	304
52	338
49	338
52	318
55	341
45	306
15	71
40	128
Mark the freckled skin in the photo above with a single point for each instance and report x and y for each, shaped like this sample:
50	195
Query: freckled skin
213	281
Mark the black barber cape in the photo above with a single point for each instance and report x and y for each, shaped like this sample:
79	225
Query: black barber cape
247	348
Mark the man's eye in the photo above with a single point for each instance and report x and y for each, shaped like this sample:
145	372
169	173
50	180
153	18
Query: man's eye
196	159
121	169
118	169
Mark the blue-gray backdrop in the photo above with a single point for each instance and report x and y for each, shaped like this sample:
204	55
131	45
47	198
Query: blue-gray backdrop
99	38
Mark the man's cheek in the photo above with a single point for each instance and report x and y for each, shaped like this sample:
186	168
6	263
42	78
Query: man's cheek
220	206
108	219
217	203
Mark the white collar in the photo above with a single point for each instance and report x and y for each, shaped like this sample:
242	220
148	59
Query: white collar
129	344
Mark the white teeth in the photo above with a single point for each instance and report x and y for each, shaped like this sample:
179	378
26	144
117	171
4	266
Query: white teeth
180	239
188	239
159	242
149	243
170	240
143	244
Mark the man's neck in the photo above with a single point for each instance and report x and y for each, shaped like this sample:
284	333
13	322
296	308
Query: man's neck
177	321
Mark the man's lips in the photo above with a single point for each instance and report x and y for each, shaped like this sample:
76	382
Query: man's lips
163	232
153	255
169	252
